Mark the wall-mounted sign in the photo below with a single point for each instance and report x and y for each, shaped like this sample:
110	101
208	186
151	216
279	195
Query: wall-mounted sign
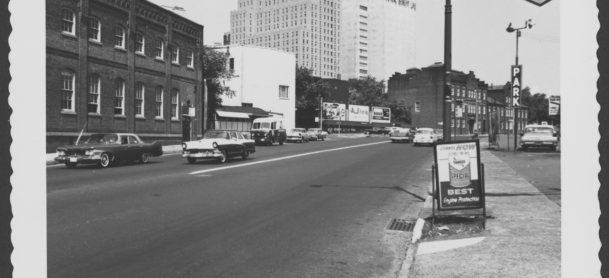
359	113
516	85
191	112
554	105
458	176
381	115
334	111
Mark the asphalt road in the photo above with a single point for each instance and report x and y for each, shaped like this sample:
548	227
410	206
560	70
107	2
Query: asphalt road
315	209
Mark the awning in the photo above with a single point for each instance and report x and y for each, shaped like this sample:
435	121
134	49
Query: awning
232	114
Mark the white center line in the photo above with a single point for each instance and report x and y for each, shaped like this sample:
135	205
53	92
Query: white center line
282	158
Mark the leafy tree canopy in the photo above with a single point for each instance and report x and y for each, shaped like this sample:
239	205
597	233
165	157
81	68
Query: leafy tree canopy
216	72
367	91
537	105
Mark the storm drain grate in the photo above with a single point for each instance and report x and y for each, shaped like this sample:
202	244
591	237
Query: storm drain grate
400	225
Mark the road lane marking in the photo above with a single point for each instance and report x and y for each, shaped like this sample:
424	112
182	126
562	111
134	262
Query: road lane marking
283	158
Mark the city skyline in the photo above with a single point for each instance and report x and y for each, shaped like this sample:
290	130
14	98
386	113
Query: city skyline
478	27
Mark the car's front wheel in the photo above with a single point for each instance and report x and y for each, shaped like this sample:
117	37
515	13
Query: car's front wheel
246	154
105	160
223	157
280	142
71	165
191	160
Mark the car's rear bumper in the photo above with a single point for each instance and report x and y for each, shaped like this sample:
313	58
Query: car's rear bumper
400	138
538	143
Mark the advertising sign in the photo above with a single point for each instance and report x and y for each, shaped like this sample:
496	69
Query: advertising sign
359	113
334	111
554	105
381	115
516	84
458	175
459	112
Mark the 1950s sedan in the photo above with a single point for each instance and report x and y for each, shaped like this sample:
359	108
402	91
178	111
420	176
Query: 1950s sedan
108	148
219	145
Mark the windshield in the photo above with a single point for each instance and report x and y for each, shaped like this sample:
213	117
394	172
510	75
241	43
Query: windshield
542	130
102	139
423	131
261	125
214	135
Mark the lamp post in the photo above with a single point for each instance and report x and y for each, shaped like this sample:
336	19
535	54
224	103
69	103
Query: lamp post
509	29
447	69
205	82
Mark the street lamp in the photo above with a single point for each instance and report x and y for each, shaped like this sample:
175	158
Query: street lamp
205	82
509	29
447	69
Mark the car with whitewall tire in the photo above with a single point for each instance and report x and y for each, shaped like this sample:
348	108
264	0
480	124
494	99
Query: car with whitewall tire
539	136
298	134
219	145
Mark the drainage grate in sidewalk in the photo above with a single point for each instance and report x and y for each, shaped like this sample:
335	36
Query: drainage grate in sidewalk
400	225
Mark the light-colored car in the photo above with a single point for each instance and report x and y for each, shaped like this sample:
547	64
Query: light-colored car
401	135
298	134
539	136
321	135
440	134
219	145
312	135
425	136
393	129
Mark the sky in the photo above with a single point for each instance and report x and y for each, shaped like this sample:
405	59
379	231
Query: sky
480	41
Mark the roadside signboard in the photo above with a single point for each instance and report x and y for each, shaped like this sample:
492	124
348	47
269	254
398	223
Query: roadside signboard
458	175
554	105
516	85
334	111
381	115
359	113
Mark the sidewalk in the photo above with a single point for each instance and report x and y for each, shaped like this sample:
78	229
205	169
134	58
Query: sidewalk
522	237
166	150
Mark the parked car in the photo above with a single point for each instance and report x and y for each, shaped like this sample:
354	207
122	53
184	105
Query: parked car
392	129
298	134
539	136
220	145
105	149
425	136
401	135
321	135
440	134
312	135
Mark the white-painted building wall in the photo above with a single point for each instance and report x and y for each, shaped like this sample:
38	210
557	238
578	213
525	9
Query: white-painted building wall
258	74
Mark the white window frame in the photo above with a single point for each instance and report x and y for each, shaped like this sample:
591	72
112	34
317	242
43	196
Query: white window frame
137	42
284	92
94	93
159	49
119	96
159	102
191	59
119	37
140	93
175	54
175	100
68	22
94	34
67	90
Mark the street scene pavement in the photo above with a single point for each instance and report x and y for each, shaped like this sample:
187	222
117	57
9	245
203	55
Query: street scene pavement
317	209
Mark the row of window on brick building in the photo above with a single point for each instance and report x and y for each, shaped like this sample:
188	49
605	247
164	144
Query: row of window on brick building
68	27
95	92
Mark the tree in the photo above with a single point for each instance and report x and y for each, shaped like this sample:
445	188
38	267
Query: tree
367	91
537	105
309	90
400	113
216	72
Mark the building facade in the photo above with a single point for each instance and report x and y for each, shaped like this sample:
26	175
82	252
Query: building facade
501	96
377	37
307	28
263	85
121	66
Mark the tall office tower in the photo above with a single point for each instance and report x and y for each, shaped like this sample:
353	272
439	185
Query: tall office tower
308	28
378	38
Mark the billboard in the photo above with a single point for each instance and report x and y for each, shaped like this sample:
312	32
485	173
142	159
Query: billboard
458	175
554	105
381	115
516	85
359	113
334	111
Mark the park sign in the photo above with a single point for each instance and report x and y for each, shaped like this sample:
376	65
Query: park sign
554	105
458	176
516	85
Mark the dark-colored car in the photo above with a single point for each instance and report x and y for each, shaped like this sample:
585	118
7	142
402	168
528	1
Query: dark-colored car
105	149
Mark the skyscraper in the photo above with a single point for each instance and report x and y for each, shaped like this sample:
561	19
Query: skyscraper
378	38
308	28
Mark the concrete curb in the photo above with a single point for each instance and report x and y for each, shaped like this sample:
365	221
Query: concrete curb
417	232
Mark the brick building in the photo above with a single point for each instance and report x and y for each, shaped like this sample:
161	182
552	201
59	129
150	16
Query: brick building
423	89
500	97
121	66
